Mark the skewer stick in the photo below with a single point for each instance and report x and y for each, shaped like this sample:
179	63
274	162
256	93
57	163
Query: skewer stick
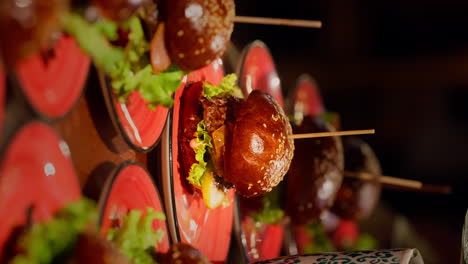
278	21
411	184
333	134
399	183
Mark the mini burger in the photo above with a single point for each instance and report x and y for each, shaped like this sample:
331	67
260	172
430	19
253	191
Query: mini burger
226	141
316	172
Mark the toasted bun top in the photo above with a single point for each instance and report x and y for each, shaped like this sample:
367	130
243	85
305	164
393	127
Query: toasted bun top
198	31
316	172
261	151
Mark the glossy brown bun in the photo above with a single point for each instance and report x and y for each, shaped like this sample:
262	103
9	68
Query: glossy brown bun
198	31
356	198
183	254
261	151
316	172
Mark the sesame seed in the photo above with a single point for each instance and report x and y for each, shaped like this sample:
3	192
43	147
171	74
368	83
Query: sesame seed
259	181
181	55
201	40
202	50
180	33
255	193
264	125
197	52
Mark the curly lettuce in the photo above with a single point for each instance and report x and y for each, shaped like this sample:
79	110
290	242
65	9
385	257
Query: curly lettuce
227	86
321	242
203	140
129	68
136	237
270	213
46	241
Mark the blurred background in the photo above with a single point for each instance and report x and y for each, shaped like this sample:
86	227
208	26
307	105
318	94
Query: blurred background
400	67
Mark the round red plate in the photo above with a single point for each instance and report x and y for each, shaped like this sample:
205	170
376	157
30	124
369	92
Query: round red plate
190	221
131	188
53	88
306	97
257	71
36	171
140	125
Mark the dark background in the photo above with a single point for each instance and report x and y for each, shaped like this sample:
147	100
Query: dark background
400	67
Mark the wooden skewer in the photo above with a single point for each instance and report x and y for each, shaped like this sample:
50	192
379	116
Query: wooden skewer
412	184
333	134
278	21
400	183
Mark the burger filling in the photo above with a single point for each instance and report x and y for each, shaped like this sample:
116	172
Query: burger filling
209	141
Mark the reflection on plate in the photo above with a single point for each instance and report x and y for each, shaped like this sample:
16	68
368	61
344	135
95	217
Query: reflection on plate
54	84
131	187
140	126
190	221
36	173
257	71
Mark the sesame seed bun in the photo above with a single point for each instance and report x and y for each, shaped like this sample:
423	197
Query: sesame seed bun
261	151
198	31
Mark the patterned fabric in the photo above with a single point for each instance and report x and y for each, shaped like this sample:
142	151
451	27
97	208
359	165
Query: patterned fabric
391	256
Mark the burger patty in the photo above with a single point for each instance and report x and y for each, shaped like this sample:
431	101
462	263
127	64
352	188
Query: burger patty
214	112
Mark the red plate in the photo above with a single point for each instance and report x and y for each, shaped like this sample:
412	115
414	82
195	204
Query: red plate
262	241
306	97
36	170
257	71
190	221
54	88
131	188
141	127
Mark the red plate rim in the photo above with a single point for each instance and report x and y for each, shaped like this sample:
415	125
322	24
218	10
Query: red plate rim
33	102
109	99
314	98
241	68
104	198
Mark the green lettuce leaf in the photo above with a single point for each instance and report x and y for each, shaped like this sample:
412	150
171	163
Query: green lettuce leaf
46	241
270	213
226	87
364	242
136	238
129	68
93	42
321	242
198	169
